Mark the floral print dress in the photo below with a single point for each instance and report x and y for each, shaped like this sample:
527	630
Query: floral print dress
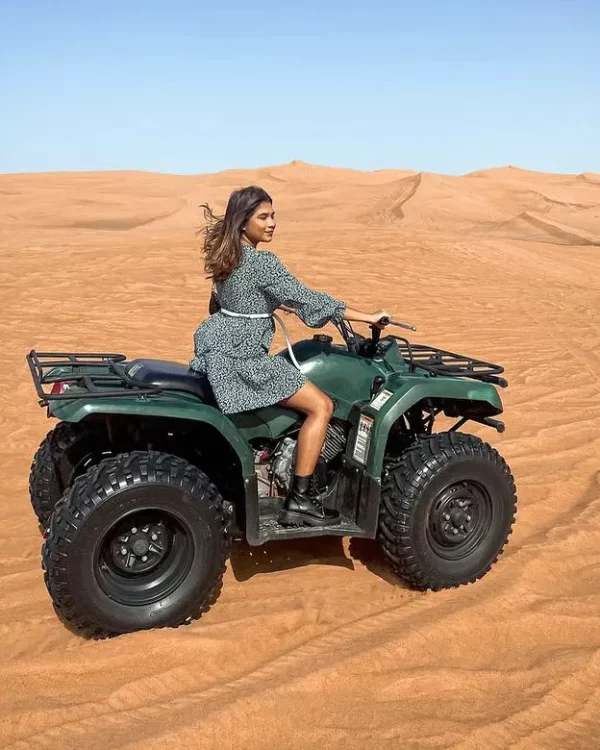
234	351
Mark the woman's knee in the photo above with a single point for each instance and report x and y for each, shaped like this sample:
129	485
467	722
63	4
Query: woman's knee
325	407
312	402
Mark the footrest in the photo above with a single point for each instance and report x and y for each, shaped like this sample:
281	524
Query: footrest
270	528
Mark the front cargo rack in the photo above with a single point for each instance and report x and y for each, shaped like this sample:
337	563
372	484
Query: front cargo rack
441	362
93	375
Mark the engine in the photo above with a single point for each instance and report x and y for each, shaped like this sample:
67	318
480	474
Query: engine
335	440
282	465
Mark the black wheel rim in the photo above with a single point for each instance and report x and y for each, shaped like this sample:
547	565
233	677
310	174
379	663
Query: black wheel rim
459	519
144	557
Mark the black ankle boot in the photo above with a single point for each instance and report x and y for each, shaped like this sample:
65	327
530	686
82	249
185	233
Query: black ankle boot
303	507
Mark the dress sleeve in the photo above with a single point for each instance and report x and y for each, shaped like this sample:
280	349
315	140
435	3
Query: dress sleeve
315	309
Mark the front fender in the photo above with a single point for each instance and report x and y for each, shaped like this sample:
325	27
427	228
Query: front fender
411	392
162	405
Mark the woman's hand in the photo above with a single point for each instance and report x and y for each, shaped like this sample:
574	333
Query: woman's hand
373	319
376	318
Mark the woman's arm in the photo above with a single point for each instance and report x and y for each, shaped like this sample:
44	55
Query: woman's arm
363	317
289	294
312	307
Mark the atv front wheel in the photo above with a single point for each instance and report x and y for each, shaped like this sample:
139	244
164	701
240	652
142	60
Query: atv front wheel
448	506
139	541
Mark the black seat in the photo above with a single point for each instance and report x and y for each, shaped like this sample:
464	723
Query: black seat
172	376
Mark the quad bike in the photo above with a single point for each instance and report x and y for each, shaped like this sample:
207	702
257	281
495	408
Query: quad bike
143	483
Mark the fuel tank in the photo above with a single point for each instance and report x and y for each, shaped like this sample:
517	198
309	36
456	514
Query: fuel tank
345	377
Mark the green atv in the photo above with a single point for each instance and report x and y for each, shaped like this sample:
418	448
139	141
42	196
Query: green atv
143	483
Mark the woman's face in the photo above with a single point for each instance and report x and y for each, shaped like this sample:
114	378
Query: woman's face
261	225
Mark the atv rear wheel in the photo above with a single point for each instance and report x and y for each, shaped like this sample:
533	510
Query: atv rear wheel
138	542
63	454
448	506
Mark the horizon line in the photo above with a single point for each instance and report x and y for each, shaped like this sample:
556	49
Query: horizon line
293	163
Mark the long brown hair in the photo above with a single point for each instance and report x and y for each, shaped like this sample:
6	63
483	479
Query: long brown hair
222	245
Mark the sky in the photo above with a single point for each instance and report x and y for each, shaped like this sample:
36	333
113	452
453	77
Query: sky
189	87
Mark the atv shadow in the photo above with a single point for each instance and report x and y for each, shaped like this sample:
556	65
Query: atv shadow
370	554
247	561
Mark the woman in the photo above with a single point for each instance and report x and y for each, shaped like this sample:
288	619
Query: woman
232	345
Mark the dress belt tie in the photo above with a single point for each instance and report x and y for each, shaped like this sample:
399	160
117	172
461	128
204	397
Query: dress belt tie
253	316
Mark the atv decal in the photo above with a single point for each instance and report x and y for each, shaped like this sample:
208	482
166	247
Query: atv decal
380	399
363	439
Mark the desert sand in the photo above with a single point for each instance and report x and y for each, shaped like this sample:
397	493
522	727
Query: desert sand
308	647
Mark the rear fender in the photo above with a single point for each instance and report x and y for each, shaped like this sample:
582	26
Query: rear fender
165	406
268	423
411	392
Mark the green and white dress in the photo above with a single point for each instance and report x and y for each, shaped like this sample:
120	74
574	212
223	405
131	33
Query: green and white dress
234	351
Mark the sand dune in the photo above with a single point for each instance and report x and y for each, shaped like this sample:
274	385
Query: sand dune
313	644
536	227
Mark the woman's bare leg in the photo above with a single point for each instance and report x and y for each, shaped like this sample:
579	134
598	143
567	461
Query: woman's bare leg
318	408
302	505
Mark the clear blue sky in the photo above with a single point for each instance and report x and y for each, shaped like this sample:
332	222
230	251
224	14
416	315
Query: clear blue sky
184	86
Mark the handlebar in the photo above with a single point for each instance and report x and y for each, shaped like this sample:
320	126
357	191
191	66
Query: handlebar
376	330
391	322
367	345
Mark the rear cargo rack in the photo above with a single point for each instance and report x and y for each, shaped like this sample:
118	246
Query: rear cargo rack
441	362
97	375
